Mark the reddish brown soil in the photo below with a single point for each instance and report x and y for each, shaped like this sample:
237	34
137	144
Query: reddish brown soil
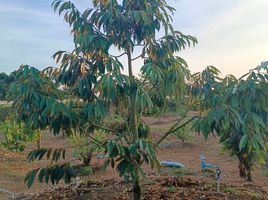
155	188
13	167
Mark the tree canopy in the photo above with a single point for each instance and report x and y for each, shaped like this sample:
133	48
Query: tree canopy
5	82
95	85
236	109
89	90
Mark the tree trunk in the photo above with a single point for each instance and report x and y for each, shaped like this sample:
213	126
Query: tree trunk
248	170
87	159
136	189
130	73
242	169
39	143
249	177
133	118
133	112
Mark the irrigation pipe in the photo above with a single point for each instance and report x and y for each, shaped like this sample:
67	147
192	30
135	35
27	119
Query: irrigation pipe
6	191
167	145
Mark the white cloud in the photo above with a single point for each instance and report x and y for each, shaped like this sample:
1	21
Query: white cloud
235	41
232	34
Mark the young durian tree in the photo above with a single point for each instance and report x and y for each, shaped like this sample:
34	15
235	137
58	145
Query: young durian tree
97	83
236	109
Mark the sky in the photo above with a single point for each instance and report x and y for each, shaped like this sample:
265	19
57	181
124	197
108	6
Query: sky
232	34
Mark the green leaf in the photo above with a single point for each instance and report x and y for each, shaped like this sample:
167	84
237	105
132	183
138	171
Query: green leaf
41	174
106	164
112	150
243	142
255	143
237	115
122	166
142	144
29	179
56	4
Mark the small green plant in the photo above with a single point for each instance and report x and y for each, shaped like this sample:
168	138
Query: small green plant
16	135
182	172
171	189
229	189
85	147
113	121
85	171
5	112
5	82
185	134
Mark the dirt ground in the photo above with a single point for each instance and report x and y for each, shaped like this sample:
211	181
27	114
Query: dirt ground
157	187
13	166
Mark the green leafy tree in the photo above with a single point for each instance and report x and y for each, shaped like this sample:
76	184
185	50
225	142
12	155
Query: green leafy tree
5	82
84	147
38	101
236	109
96	84
40	105
6	111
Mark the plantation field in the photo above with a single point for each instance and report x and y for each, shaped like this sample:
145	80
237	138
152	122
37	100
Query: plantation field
165	184
123	98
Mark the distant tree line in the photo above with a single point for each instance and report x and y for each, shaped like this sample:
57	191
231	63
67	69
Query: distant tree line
5	82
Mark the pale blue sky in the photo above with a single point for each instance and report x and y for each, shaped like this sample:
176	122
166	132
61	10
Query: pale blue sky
232	34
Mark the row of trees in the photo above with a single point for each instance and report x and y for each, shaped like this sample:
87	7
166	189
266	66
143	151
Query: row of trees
95	88
5	82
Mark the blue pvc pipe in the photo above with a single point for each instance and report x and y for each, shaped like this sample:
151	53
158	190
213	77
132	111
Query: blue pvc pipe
167	163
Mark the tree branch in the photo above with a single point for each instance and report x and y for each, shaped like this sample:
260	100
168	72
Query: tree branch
130	73
142	54
118	55
171	130
137	57
104	128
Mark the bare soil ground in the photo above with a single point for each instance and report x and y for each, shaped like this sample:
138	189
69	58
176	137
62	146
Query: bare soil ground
107	185
157	187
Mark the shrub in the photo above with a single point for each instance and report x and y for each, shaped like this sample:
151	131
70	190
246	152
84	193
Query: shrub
85	171
85	147
5	112
113	121
16	135
171	189
186	133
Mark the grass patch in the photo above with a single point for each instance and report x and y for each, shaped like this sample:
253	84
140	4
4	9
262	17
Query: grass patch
171	189
229	189
180	172
85	171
